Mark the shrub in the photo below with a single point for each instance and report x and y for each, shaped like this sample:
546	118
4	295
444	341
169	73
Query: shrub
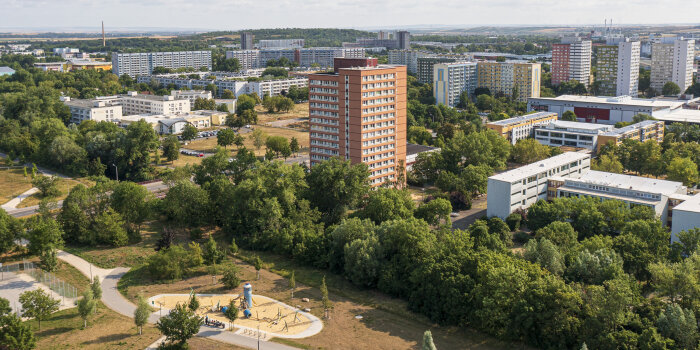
513	220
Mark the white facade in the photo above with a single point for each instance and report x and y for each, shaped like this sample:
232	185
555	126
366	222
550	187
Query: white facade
249	59
191	95
275	87
672	62
572	134
522	187
134	64
628	68
305	57
580	52
97	110
133	103
408	58
686	216
451	79
281	43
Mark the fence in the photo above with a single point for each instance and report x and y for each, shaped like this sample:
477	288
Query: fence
48	279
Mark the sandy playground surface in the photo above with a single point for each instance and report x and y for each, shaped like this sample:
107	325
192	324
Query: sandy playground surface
274	318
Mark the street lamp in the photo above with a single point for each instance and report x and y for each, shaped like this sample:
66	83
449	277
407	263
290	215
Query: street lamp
116	171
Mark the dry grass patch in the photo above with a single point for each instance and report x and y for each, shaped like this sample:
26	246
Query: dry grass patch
64	185
209	144
300	110
13	183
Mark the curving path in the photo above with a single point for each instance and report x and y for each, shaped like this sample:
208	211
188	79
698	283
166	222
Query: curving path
115	301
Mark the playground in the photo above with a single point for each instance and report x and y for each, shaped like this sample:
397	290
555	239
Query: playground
273	318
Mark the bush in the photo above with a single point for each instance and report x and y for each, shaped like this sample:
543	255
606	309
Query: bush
513	221
174	262
230	278
521	238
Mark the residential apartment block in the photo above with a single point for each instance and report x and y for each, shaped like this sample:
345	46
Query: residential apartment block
281	44
408	58
642	131
191	95
247	39
572	134
359	113
672	62
517	128
571	60
304	57
134	64
135	103
450	80
425	65
97	110
617	68
272	87
509	78
522	187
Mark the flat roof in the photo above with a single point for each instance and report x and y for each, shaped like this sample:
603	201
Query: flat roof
682	116
635	183
538	167
521	118
578	125
412	148
618	100
632	127
90	103
692	204
607	195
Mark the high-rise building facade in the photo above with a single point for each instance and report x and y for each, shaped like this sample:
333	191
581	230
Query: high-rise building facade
617	68
358	113
404	39
247	41
281	44
133	64
408	58
520	80
571	60
672	62
305	57
425	65
450	80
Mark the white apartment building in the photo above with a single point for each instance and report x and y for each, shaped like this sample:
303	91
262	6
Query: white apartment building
450	80
672	62
135	103
521	127
249	59
275	87
191	95
134	64
97	110
281	44
572	134
628	68
632	190
685	216
323	56
571	60
520	188
408	58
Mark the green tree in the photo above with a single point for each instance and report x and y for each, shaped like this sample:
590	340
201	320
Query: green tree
47	185
258	137
193	303
292	283
189	132
277	144
595	268
680	325
336	186
96	290
257	263
211	253
193	215
171	148
294	145
528	151
44	235
363	261
428	341
569	116
545	253
231	313
388	204
133	202
325	300
683	170
10	229
14	334
109	227
230	278
86	306
38	305
244	102
435	212
141	314
225	137
670	89
608	163
179	325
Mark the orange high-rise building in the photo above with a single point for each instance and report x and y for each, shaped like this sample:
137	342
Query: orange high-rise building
358	113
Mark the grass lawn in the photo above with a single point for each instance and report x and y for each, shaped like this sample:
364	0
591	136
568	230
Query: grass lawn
209	144
300	110
106	330
64	185
13	183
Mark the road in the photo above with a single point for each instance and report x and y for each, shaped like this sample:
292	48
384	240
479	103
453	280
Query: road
152	187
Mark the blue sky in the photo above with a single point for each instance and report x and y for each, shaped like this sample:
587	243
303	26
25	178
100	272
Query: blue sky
239	14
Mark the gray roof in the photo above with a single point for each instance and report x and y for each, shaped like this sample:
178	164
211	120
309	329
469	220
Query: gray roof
7	70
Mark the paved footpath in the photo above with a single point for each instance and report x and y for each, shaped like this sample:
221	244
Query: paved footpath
116	301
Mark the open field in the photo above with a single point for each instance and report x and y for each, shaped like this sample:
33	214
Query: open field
64	185
106	330
301	110
209	144
13	183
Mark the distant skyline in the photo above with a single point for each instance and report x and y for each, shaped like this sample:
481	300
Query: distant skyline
254	14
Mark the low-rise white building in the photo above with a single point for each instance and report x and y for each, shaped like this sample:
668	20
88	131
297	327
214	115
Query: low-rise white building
97	110
572	134
191	95
520	188
685	216
135	103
